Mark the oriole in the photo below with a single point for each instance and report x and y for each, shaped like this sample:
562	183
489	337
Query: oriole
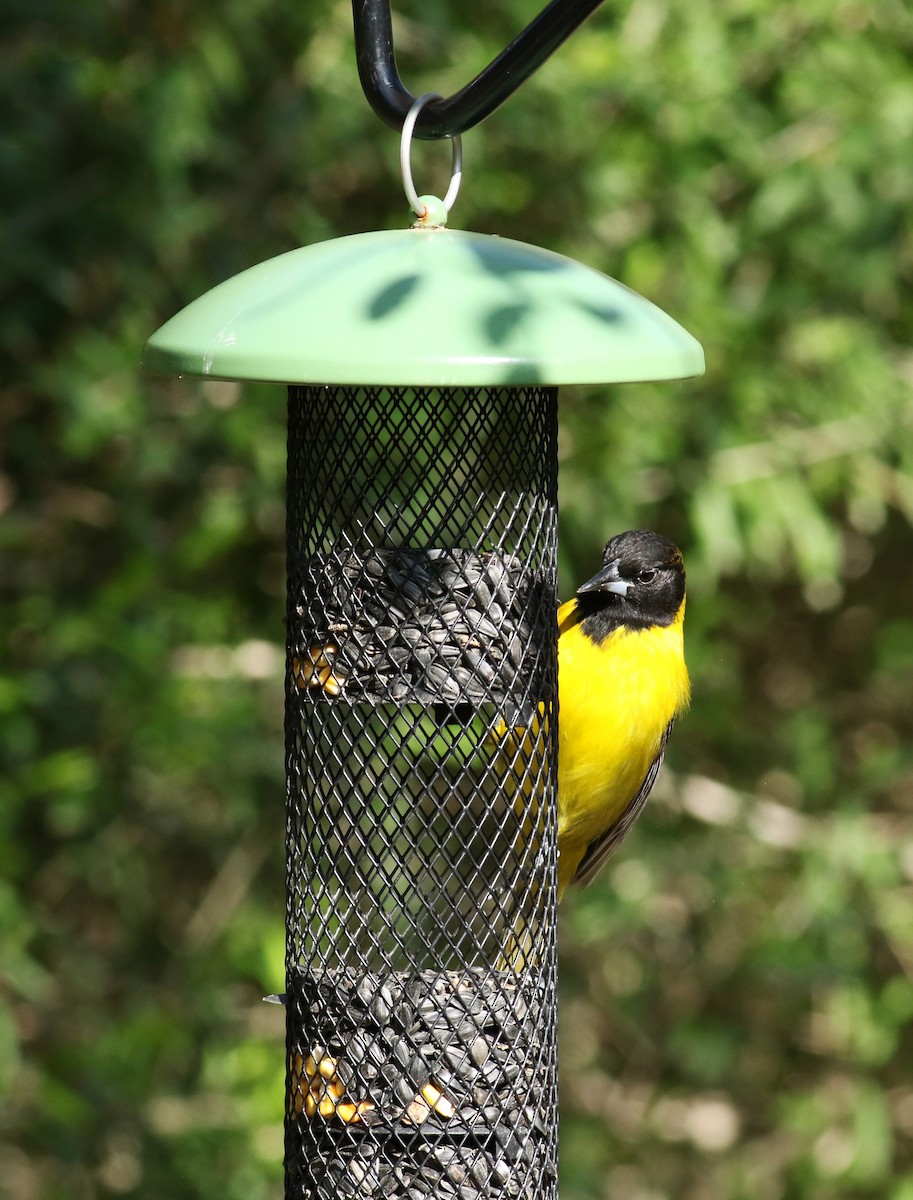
622	681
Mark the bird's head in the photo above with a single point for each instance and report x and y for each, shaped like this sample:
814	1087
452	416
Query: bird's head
642	580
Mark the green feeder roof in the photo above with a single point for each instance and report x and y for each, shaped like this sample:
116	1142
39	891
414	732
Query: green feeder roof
423	307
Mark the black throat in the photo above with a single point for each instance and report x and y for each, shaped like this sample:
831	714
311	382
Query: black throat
603	613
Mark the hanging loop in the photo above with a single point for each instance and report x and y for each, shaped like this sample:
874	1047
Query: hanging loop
419	207
391	100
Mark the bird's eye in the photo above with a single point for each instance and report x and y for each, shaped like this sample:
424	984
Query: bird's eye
647	575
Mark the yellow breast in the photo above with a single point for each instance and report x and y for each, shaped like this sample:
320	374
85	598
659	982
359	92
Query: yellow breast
615	701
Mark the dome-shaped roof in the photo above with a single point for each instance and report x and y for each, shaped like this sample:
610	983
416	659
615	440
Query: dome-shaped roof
424	307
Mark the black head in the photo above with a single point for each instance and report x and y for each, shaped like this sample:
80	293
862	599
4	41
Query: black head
642	583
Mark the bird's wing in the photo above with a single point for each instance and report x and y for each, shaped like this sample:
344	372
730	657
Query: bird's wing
602	848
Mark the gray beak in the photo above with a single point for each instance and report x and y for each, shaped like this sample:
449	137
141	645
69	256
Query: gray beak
607	580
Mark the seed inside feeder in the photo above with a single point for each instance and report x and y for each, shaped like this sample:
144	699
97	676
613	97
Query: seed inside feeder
453	1058
425	626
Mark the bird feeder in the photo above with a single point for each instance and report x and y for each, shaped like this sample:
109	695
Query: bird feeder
422	368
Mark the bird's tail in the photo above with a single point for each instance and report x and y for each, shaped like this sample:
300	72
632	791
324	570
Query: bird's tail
520	948
515	750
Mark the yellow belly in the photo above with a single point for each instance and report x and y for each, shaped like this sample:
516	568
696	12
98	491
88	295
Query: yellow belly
615	701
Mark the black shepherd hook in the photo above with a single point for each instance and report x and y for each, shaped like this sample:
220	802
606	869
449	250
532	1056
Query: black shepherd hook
459	112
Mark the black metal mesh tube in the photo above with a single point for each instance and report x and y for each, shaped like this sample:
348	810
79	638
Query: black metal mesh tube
421	773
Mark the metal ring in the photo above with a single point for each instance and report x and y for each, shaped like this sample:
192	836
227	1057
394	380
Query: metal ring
405	149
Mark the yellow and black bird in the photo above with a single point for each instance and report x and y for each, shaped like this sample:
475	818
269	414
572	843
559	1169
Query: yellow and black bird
622	681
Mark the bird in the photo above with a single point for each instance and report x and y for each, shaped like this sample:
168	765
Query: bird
622	683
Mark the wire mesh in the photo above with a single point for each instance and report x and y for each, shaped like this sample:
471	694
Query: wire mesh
421	772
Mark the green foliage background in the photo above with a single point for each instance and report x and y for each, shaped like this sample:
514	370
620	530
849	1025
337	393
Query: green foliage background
738	988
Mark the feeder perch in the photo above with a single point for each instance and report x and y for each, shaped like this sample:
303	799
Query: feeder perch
421	687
